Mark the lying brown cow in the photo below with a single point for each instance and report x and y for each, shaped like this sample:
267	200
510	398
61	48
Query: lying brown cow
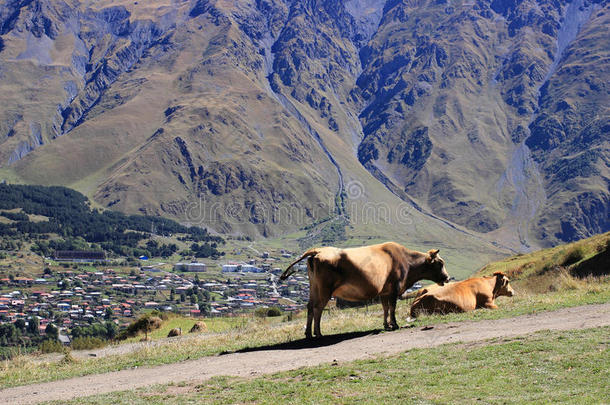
359	274
463	296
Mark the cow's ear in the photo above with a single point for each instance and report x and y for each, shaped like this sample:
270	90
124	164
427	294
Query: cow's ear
433	253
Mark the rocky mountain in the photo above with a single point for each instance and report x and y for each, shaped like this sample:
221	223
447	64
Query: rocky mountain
488	121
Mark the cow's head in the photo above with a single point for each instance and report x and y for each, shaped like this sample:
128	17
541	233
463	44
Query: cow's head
503	285
435	268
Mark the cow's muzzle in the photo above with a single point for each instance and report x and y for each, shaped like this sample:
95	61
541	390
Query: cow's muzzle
443	282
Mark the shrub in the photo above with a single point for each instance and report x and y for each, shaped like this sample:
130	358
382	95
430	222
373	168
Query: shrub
175	332
260	312
51	346
199	327
145	323
574	255
274	311
10	352
87	343
68	358
263	312
159	314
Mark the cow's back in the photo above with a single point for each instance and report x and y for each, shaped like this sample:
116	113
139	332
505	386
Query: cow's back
360	273
460	296
450	297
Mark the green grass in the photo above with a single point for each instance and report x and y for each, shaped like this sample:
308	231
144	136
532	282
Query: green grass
216	325
547	367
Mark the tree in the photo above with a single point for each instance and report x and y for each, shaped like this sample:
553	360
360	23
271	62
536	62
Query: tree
111	330
20	324
33	326
8	332
206	295
65	284
205	308
51	331
108	313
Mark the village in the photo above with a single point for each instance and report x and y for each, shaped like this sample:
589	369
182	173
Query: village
84	289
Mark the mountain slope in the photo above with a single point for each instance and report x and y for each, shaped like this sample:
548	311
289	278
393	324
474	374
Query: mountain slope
265	116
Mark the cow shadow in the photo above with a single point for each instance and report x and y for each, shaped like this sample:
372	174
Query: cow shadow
326	340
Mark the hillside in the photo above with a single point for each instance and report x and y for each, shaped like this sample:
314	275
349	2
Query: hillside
58	218
567	266
431	122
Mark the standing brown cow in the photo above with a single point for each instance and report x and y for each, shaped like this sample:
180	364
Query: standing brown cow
358	274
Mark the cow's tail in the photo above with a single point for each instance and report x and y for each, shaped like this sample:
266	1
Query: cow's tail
288	272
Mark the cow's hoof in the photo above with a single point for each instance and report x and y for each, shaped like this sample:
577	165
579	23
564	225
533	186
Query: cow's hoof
394	327
387	327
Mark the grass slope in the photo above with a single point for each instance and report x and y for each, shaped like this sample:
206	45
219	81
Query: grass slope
548	367
551	269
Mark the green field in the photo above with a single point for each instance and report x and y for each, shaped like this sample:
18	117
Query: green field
547	367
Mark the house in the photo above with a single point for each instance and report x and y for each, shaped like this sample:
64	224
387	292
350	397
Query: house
230	268
248	268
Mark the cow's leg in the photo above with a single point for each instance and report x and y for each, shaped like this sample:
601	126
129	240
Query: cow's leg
386	306
392	304
491	305
318	306
309	318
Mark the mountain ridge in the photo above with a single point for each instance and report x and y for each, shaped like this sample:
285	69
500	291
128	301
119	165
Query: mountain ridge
460	110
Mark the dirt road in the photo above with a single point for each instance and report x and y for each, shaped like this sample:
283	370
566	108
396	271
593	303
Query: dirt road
292	355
